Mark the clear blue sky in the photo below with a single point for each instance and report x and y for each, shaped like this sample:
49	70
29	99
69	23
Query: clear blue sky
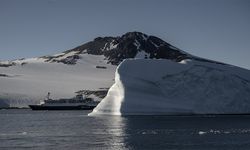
214	29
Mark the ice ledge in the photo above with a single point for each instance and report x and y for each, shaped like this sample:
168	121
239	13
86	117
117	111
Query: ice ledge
163	87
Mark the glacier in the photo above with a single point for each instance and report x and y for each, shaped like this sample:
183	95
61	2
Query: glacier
29	80
164	87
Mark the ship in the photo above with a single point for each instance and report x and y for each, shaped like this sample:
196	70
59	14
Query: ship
75	103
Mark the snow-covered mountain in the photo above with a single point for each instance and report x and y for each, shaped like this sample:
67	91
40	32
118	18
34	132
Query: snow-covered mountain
160	87
90	67
114	50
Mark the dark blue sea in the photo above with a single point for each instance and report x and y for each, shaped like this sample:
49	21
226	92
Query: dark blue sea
74	130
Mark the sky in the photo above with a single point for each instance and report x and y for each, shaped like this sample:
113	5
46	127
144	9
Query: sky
213	29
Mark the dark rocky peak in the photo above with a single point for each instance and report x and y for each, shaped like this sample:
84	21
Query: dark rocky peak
116	49
94	47
134	36
132	43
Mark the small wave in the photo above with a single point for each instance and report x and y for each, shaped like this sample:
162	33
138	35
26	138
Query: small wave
149	132
201	132
13	134
213	132
235	131
23	133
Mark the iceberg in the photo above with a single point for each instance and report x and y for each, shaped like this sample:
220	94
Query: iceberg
164	87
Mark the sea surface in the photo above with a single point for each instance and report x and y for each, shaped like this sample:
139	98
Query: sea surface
74	130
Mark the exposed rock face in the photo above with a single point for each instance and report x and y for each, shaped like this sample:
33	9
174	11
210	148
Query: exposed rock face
116	49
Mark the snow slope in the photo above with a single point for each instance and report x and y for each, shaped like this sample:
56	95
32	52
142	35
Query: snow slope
29	82
89	67
149	87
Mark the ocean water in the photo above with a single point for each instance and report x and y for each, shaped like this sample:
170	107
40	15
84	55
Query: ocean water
27	129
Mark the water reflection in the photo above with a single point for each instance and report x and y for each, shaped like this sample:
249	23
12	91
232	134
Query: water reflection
109	132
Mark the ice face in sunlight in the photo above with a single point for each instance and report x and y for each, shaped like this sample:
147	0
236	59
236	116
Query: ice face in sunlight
153	87
113	100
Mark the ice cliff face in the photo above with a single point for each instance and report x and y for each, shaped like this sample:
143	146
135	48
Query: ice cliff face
149	87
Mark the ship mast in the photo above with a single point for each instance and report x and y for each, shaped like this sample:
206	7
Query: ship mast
48	95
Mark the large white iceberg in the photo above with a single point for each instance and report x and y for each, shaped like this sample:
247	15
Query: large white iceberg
164	87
